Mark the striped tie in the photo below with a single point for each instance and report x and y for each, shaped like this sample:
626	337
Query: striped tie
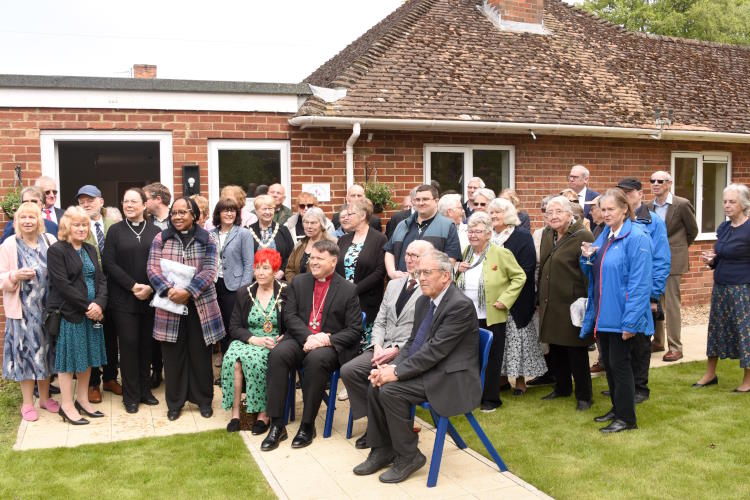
99	237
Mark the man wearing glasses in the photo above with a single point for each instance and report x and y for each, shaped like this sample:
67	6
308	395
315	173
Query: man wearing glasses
424	224
34	195
682	228
439	364
578	181
49	189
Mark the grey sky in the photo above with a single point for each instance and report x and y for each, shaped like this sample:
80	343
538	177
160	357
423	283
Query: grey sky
281	41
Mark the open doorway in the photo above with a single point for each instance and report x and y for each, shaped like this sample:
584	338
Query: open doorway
111	166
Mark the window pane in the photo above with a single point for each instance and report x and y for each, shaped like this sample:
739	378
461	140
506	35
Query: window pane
714	182
685	172
448	169
249	168
493	166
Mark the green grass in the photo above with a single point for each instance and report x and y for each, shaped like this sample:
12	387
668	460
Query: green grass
691	443
211	464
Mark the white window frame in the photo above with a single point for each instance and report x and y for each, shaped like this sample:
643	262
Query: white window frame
50	155
216	145
699	156
467	150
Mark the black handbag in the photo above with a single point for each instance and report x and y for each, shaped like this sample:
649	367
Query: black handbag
52	321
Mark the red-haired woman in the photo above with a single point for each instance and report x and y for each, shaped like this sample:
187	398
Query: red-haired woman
255	328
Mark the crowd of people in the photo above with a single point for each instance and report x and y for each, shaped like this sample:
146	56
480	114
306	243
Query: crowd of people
150	293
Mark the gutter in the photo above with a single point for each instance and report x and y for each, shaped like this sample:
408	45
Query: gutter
515	128
356	128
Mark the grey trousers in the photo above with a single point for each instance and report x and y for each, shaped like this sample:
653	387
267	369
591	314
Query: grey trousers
671	302
354	375
389	423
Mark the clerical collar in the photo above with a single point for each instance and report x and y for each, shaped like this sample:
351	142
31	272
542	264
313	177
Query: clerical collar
326	279
136	224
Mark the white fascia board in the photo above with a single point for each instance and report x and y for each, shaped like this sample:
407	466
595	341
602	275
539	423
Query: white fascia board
516	128
156	100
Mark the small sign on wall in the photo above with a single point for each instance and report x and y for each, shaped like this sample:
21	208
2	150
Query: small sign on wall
321	191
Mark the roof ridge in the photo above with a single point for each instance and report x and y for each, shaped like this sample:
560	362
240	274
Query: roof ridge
652	36
355	59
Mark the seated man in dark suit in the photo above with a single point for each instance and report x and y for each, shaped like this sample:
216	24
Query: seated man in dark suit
439	363
323	327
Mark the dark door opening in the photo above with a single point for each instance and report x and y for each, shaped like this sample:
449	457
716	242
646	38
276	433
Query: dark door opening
112	166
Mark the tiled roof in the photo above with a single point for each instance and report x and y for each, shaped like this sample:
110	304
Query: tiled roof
445	60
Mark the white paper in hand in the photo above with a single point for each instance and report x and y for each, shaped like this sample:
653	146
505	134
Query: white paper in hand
179	275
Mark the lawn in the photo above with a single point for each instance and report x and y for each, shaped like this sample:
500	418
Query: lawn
208	464
692	443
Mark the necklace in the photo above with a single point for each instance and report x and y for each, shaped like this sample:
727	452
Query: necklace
137	235
315	322
267	325
265	242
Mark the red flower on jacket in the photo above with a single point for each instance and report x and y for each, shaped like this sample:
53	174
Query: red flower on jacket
494	267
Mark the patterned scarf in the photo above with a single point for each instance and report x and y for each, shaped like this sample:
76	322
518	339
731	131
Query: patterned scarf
461	279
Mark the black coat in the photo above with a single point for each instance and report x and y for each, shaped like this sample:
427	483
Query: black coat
521	245
375	222
397	217
67	287
238	325
284	241
369	272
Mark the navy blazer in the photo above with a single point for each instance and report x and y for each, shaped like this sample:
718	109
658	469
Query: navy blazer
521	245
237	255
590	195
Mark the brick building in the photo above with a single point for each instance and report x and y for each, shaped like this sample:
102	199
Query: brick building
513	91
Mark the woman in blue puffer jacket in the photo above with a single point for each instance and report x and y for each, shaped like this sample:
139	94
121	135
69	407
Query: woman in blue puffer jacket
618	266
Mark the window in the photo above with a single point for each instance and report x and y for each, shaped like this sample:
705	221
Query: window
247	164
701	178
453	166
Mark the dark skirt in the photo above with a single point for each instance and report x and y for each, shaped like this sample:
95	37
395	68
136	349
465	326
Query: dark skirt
729	323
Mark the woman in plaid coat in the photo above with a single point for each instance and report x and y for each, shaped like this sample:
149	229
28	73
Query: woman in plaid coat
187	340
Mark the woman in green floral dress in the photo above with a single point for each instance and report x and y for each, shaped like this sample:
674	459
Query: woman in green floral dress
255	328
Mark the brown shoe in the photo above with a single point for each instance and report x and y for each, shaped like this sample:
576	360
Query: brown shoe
113	386
656	347
672	356
95	395
597	368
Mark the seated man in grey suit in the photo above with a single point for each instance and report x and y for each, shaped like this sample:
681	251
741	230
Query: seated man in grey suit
390	332
439	363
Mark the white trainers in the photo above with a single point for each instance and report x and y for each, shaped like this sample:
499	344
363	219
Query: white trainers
342	396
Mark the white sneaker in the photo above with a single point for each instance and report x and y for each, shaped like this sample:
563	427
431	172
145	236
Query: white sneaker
343	396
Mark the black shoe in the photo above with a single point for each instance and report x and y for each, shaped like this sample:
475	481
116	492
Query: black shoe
583	405
217	382
66	418
518	392
505	387
149	399
713	381
618	425
81	409
156	379
305	436
545	379
489	407
553	395
610	415
640	397
53	389
275	436
233	425
606	393
174	414
259	427
378	458
131	407
206	411
361	442
402	468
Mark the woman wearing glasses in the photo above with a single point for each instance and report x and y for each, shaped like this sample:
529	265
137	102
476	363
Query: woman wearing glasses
490	276
268	233
314	222
482	199
305	201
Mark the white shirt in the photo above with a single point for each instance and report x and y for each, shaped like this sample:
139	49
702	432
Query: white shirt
52	214
93	228
582	197
471	287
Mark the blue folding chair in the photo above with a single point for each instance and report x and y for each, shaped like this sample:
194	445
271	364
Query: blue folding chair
443	425
329	399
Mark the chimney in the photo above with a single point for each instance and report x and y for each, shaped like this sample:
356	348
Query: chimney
528	12
144	71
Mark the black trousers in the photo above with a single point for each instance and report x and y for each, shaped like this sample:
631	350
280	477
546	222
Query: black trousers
617	356
317	364
389	422
226	299
491	392
157	362
109	371
574	361
134	334
640	359
188	375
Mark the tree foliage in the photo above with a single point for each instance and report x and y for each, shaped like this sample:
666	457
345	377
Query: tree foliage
726	21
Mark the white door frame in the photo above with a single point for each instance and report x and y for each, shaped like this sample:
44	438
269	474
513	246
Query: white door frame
48	141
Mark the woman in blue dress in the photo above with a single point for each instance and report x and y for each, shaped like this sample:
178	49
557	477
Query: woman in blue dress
78	288
28	352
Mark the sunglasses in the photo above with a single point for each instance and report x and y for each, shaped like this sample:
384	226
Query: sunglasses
303	206
476	204
51	191
657	181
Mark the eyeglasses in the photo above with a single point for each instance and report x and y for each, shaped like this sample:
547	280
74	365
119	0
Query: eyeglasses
426	272
422	200
228	211
476	232
658	181
480	204
180	213
303	206
411	255
51	191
